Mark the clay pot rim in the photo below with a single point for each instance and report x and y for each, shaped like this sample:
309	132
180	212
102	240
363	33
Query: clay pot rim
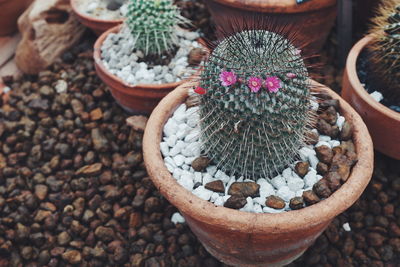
127	88
278	6
351	69
207	212
74	5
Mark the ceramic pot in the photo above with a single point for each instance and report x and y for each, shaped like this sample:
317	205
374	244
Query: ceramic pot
10	10
312	20
98	26
139	99
382	122
249	239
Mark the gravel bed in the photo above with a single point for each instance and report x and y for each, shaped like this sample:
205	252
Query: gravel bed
100	9
121	59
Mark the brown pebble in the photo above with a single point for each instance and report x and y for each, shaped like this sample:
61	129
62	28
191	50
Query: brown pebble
196	55
329	115
321	188
347	131
216	186
138	123
72	256
296	203
96	114
301	168
275	202
310	197
93	169
333	179
312	138
235	202
200	164
41	191
329	103
322	168
324	154
245	189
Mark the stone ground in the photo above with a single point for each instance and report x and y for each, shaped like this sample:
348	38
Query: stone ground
74	192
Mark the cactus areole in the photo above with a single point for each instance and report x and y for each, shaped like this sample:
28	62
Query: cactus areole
254	105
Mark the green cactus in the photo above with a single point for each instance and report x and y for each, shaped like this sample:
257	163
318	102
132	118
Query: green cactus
385	49
153	24
249	132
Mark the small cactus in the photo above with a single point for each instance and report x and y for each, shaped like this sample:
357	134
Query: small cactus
254	104
385	49
153	24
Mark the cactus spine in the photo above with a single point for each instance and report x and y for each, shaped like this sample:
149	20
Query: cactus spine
153	24
255	110
385	49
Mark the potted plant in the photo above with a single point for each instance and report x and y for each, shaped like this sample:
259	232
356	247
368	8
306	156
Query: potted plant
372	70
312	20
146	57
10	11
250	136
100	15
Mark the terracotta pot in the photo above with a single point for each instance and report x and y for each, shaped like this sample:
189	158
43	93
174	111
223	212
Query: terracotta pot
312	20
382	122
250	239
10	10
139	99
97	25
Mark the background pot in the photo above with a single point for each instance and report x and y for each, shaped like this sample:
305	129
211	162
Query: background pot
10	10
142	98
250	239
97	25
382	122
312	20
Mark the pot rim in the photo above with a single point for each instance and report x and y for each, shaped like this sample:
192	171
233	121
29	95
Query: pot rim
74	5
278	6
207	212
351	69
127	88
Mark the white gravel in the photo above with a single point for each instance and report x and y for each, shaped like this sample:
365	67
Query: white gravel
181	145
177	218
121	59
98	9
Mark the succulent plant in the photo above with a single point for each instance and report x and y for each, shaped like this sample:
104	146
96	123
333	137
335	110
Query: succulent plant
254	104
385	49
153	24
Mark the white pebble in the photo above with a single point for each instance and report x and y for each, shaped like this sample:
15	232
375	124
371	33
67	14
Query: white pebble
219	201
214	197
170	161
257	208
285	193
287	173
323	143
310	178
313	161
249	207
305	152
260	200
324	138
170	127
346	227
211	170
207	178
169	167
164	149
198	177
179	160
278	182
177	218
187	182
377	96
177	173
295	184
334	143
180	113
339	122
203	193
271	210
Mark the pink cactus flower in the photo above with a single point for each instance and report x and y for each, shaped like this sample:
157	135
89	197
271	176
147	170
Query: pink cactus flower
291	75
255	84
273	84
200	90
297	52
227	78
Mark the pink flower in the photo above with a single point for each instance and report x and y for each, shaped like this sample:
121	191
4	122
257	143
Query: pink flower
273	84
291	75
227	78
200	90
297	52
255	84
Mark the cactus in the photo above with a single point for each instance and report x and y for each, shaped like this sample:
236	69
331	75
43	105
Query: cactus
385	49
254	104
153	24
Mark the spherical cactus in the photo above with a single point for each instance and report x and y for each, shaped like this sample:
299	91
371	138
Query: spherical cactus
254	104
153	24
385	49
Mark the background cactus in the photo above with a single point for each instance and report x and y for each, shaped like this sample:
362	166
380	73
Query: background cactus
385	49
153	24
247	129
